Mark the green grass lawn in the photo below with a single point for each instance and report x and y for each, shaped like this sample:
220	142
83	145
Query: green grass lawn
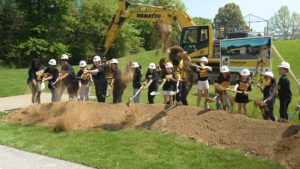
13	82
136	149
290	50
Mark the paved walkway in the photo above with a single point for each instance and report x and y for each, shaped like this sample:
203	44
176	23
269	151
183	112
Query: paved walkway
11	158
22	101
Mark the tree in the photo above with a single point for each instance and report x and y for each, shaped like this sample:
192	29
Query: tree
201	21
295	24
89	21
280	23
11	22
42	33
230	19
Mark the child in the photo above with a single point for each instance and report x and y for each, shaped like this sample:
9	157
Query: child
169	83
267	89
51	75
136	80
33	81
223	82
203	84
243	87
84	82
151	81
284	90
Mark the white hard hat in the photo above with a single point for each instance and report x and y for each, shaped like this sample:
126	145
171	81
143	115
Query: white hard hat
64	57
224	69
285	65
204	59
96	58
245	72
269	74
82	64
169	65
152	66
52	62
135	65
114	61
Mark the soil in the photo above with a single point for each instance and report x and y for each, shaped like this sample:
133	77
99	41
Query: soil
276	141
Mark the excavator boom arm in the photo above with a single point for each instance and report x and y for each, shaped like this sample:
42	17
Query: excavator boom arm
151	14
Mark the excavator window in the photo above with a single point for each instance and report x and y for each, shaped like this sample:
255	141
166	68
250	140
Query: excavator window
194	38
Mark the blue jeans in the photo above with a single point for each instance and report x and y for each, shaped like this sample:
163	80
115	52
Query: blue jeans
219	104
137	97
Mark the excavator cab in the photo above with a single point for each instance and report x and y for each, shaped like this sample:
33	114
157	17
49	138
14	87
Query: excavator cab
197	40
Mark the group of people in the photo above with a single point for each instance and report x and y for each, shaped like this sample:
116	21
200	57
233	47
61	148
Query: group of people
175	90
269	88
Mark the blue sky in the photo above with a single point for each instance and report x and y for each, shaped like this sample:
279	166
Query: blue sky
261	8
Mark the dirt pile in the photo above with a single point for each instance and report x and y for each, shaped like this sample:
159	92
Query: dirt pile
277	141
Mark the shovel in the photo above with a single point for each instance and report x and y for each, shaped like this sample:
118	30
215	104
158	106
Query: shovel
136	94
296	110
160	87
54	83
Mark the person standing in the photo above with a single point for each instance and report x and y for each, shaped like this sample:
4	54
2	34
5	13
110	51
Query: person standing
34	81
98	74
284	90
51	75
84	82
242	89
267	89
169	83
67	79
187	80
203	84
117	84
136	81
223	82
151	82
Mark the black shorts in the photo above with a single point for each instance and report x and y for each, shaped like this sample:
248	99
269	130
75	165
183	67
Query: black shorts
241	98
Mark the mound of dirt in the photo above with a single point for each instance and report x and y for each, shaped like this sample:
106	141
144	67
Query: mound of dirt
277	141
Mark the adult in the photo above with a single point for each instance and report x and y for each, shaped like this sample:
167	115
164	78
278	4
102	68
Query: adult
34	81
67	78
117	84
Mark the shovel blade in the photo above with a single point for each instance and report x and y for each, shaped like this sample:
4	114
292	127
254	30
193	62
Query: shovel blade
153	93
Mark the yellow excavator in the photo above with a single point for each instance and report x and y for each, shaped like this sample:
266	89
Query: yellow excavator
197	41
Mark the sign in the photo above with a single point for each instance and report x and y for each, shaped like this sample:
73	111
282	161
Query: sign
254	54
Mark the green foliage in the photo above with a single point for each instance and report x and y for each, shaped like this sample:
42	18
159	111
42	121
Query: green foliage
41	48
230	18
201	21
46	29
284	24
135	149
295	24
280	23
11	20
